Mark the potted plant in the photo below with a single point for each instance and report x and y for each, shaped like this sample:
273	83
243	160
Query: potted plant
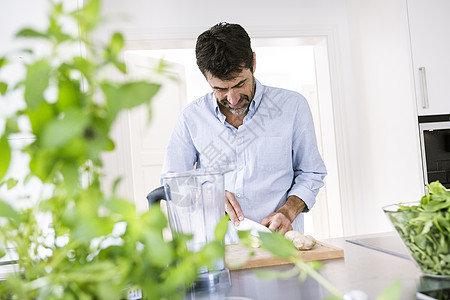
90	245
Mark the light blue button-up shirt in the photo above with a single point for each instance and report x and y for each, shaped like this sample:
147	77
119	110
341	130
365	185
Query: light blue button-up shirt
274	152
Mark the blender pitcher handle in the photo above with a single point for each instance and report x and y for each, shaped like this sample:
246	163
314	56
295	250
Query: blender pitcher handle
156	195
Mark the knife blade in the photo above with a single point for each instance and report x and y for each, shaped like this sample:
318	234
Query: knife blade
252	226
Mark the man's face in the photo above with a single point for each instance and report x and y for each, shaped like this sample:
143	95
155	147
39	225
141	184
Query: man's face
235	94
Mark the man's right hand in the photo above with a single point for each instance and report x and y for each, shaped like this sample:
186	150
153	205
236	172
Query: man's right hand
233	209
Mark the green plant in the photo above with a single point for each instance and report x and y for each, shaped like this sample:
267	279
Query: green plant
425	229
94	246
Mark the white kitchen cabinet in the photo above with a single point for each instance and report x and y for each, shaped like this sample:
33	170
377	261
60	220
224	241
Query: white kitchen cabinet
429	25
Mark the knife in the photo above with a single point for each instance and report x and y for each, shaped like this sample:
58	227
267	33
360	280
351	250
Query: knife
244	225
252	226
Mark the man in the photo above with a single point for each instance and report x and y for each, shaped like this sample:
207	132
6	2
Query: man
266	133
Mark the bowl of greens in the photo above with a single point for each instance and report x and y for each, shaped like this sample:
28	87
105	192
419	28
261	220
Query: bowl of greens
424	227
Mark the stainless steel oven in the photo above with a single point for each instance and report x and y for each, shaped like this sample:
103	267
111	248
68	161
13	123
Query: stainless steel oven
435	144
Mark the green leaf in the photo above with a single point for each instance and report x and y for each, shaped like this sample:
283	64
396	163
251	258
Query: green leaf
97	142
11	182
434	206
75	148
277	244
68	94
70	174
155	217
6	211
2	250
3	62
59	132
5	154
137	93
88	16
36	82
221	228
157	250
40	116
128	95
393	291
57	9
11	125
88	227
55	31
69	215
3	87
29	32
42	163
116	44
243	234
121	66
213	250
437	188
181	276
333	297
124	208
162	66
115	186
83	65
248	240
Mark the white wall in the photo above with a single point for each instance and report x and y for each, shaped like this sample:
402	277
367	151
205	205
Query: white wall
387	139
141	15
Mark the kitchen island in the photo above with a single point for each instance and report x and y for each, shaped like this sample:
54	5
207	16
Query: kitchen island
370	264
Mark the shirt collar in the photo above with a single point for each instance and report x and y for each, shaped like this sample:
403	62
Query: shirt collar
256	100
252	108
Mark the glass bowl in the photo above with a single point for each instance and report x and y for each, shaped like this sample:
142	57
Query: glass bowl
426	235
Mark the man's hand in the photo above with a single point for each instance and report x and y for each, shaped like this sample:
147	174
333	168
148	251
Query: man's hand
233	209
282	219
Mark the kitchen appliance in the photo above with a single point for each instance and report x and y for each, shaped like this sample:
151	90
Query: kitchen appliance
195	204
435	147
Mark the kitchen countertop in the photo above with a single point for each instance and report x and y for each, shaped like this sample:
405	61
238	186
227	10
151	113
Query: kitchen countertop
362	268
370	264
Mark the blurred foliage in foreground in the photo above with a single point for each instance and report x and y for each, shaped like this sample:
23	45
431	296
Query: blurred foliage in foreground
85	245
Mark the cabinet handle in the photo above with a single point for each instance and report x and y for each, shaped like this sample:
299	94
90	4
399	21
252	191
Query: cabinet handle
423	82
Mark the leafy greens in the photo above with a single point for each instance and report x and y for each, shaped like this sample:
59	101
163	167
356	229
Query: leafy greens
425	229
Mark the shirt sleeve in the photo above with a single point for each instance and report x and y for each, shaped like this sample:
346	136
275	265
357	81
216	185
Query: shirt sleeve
181	154
309	168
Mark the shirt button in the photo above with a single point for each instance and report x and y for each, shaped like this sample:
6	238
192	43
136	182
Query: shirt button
239	140
238	195
240	167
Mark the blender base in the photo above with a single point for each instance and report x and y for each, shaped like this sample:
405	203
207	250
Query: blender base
211	282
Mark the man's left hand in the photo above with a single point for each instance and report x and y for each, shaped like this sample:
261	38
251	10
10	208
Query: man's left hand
282	219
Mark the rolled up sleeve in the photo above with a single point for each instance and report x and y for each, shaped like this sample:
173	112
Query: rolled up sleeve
309	168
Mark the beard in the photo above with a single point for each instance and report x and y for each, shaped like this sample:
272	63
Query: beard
244	103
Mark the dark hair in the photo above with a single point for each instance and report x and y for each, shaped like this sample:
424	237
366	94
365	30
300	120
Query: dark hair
224	50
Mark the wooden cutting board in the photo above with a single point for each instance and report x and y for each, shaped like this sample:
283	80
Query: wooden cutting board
236	254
